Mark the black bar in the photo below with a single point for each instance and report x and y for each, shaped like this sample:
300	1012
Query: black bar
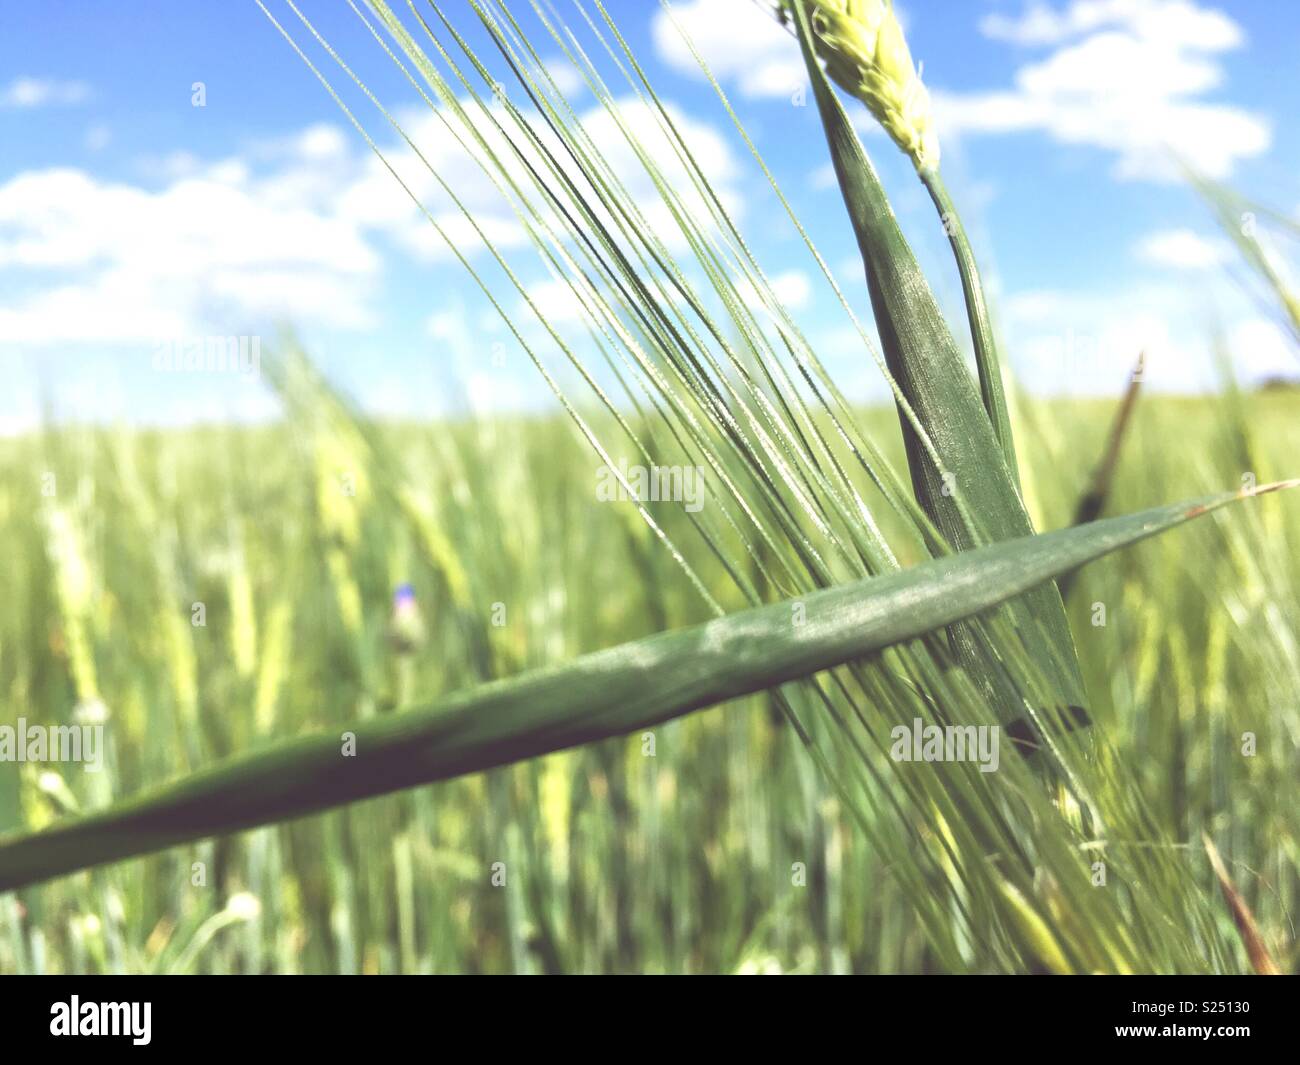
929	1013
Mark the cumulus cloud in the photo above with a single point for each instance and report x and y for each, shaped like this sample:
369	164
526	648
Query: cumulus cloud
1133	77
288	230
1262	349
557	301
1182	249
28	92
450	161
1086	342
740	42
106	261
565	76
1130	76
1179	21
791	288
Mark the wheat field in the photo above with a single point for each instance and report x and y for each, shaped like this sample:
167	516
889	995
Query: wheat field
719	848
700	666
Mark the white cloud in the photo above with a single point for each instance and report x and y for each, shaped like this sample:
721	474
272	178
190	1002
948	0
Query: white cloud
792	289
710	150
372	199
117	306
1182	249
286	231
112	262
557	301
321	141
1260	348
1087	342
1128	76
740	41
27	92
1178	21
561	305
565	76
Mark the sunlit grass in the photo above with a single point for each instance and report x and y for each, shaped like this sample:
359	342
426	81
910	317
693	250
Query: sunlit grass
599	844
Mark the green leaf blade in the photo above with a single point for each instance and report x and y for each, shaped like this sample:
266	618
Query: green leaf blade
597	696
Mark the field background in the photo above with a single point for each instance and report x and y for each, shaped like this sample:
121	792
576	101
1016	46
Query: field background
294	536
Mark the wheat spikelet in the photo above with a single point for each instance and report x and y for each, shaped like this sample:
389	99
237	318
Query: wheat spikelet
862	45
75	588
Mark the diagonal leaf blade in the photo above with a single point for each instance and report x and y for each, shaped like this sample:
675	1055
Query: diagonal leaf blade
593	697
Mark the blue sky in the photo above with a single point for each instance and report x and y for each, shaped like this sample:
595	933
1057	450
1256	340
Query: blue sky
131	219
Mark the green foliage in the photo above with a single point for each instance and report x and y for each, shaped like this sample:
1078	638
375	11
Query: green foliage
785	837
1197	648
609	693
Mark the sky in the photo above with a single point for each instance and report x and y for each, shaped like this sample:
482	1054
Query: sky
173	171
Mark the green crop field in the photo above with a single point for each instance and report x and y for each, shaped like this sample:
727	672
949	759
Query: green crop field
706	844
683	661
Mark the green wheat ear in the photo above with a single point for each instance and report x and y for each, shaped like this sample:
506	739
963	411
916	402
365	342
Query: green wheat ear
862	45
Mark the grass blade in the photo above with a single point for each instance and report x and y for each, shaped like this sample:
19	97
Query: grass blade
1093	501
983	337
1256	950
593	697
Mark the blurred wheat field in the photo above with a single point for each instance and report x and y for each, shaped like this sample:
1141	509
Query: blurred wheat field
711	844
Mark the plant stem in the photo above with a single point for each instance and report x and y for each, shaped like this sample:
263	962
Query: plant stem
977	313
